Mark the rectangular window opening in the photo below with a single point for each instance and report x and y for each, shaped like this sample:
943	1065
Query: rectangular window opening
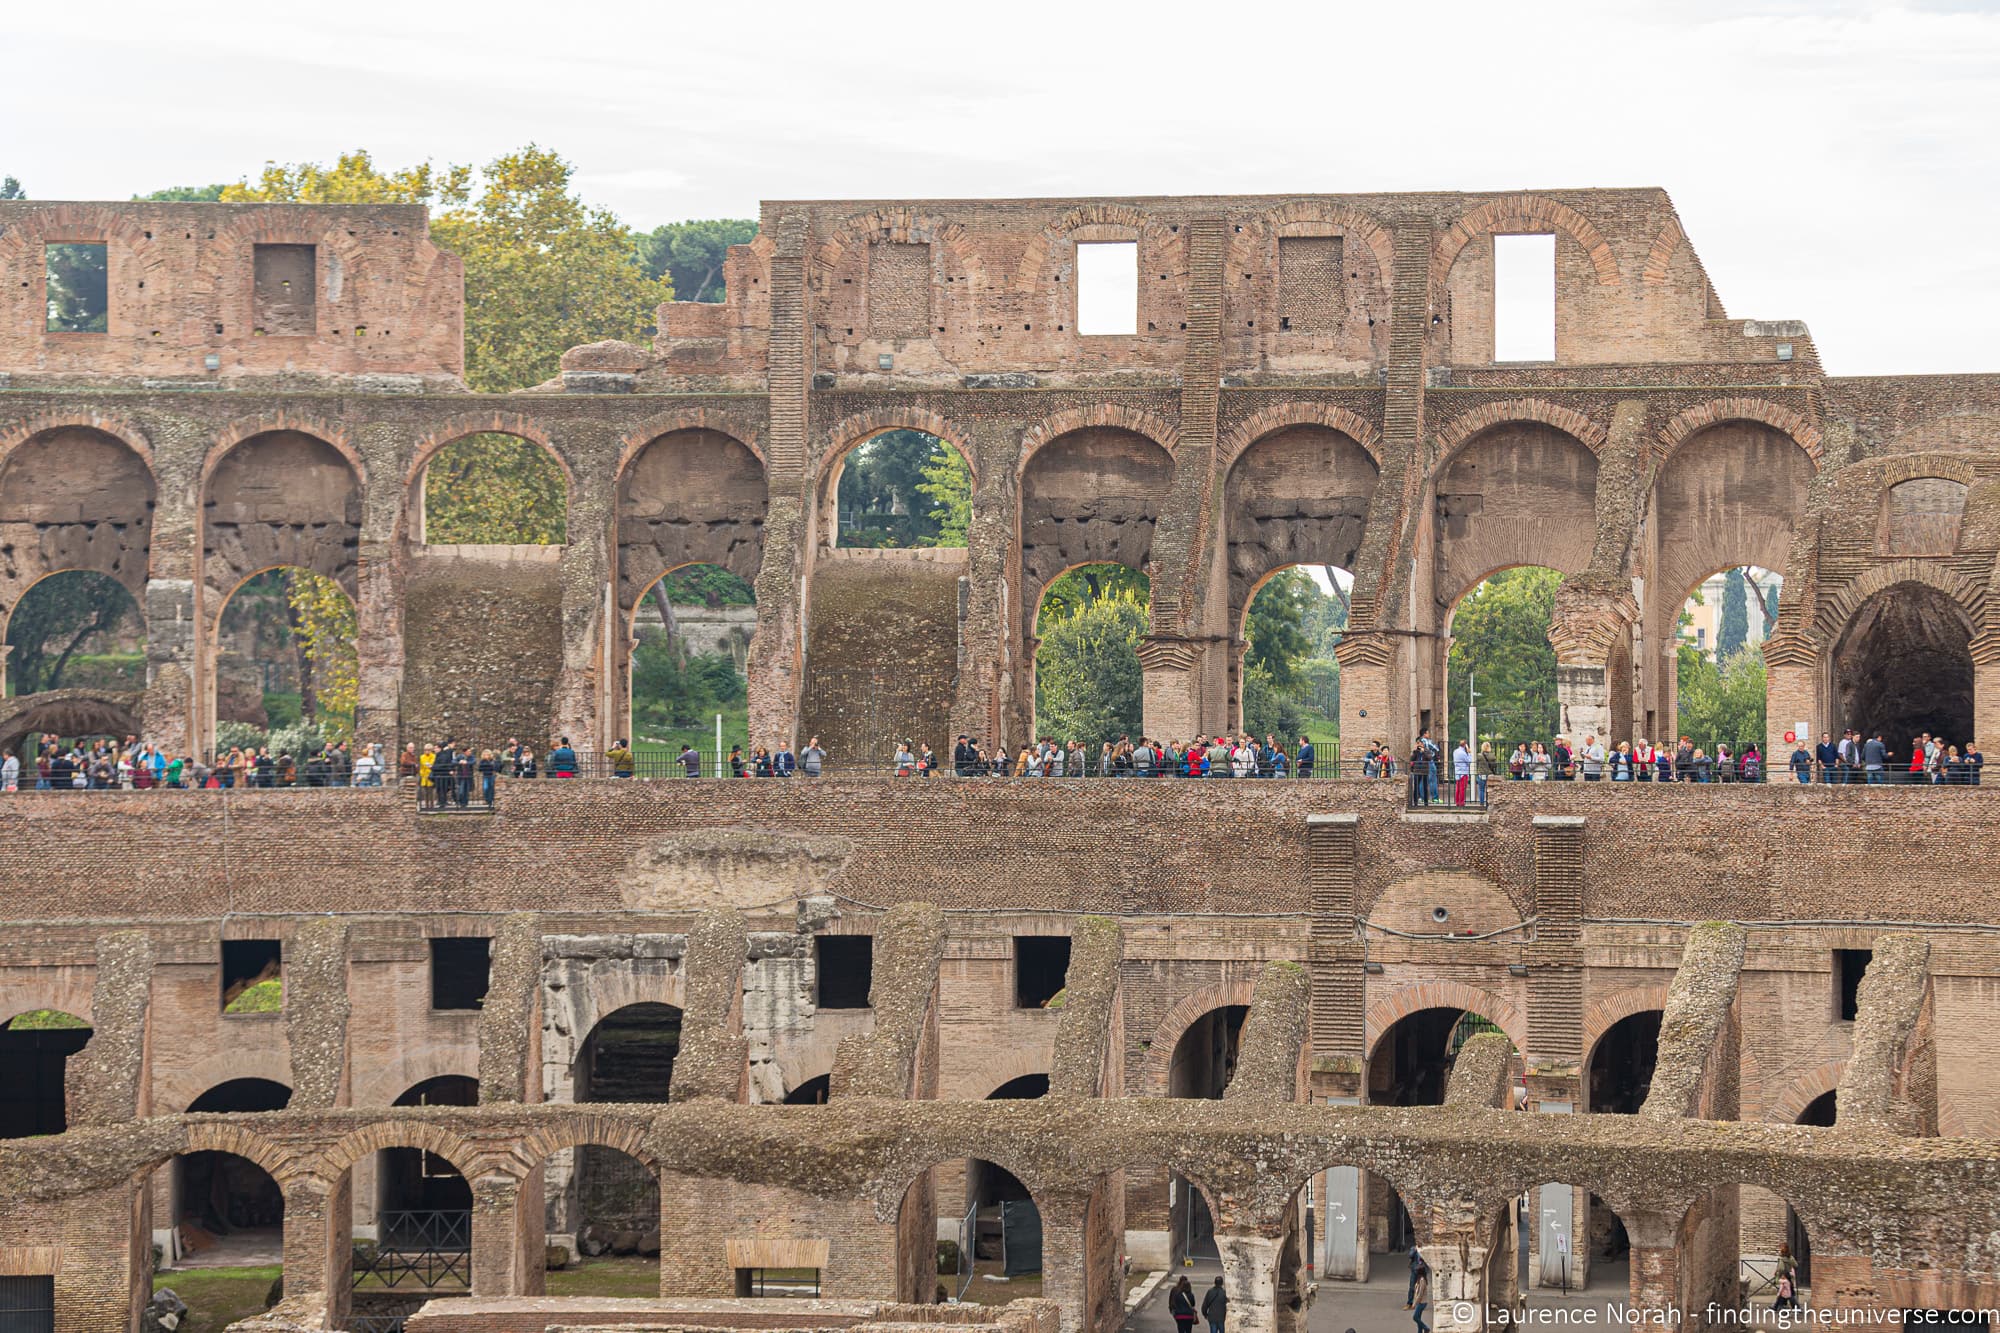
1524	298
284	288
253	977
1041	969
846	966
461	967
79	279
777	1282
1107	287
28	1304
1849	966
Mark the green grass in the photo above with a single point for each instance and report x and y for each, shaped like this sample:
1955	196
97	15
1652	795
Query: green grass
218	1297
657	747
629	1275
266	997
45	1020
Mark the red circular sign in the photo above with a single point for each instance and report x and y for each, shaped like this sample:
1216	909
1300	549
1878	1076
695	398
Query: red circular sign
1791	737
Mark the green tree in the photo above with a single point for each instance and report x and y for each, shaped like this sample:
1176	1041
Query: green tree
707	585
10	188
691	254
947	484
904	488
55	620
354	179
183	194
1071	592
325	626
1501	632
1720	701
1087	680
495	490
1275	627
1734	625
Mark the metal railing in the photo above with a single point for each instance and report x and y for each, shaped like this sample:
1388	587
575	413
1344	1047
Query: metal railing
420	1249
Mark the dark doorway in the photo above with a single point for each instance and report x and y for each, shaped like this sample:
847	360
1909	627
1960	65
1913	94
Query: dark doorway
1621	1067
410	1182
35	1049
628	1057
812	1092
1903	666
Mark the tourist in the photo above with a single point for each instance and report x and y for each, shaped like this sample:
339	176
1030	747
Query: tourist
367	769
1305	764
1751	763
1461	772
406	762
10	772
905	762
1561	765
1684	761
1538	763
1215	1306
1417	1266
1954	767
1488	767
737	765
489	769
690	761
812	758
1642	761
784	763
622	759
1180	1304
1786	1275
1621	762
562	760
761	762
1874	759
927	762
1420	1296
462	766
961	757
1593	759
1974	761
527	762
1801	762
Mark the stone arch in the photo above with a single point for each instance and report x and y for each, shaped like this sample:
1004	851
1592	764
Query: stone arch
1524	212
1803	1092
1719	410
70	713
634	441
1270	420
325	431
383	1085
1006	1066
79	419
1173	1025
56	223
1463	429
76	497
1308	217
1402	1001
429	1136
1114	415
495	422
1895	468
283	1164
904	228
652	535
185	1086
1836	611
1665	246
850	433
1043	246
1605	1013
582	1130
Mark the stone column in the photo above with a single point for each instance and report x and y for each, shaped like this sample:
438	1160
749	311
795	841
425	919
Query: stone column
986	668
379	650
319	1245
174	718
507	1238
1368	702
1591	633
1792	695
588	594
777	653
1077	1271
1170	666
1655	1259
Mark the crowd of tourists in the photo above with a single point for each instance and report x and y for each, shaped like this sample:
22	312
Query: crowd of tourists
1461	777
1222	757
107	764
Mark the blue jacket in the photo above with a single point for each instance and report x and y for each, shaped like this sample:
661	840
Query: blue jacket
784	764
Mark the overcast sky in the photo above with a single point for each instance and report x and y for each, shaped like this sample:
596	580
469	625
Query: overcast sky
1837	163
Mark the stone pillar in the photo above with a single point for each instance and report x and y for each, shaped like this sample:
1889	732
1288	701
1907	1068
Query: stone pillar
507	1238
986	667
1986	684
1368	707
1792	678
378	649
1655	1260
1080	1270
319	1245
1591	633
174	718
777	651
589	593
1170	666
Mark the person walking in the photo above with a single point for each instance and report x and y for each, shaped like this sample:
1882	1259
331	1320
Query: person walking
1215	1307
1180	1304
1420	1297
1787	1282
1416	1267
690	761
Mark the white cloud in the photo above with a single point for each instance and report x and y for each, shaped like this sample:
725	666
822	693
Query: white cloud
1836	163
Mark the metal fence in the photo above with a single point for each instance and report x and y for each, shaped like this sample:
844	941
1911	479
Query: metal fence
419	1249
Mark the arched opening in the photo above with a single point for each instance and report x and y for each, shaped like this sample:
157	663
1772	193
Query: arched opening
75	629
1411	1066
1089	688
901	489
1570	1241
1502	665
1903	667
1819	1113
494	489
1621	1065
229	1213
1719	678
420	1198
1775	1242
812	1092
691	636
1201	1066
242	1096
628	1057
280	501
287	680
1287	678
1005	1225
35	1050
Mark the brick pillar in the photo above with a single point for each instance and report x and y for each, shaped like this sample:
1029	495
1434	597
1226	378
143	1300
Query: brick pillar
174	717
507	1241
1555	960
590	621
1368	710
378	649
319	1244
777	648
1334	956
985	647
1592	634
1080	1270
1171	668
